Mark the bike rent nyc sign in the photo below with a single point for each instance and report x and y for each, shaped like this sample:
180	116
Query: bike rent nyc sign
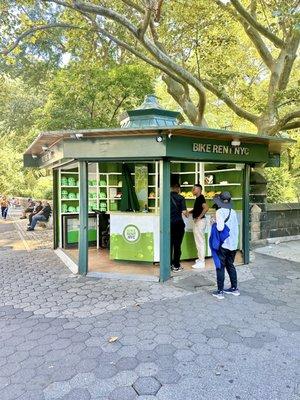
215	150
221	149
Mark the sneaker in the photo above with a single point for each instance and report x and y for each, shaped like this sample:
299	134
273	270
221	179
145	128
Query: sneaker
176	269
199	265
30	229
23	217
234	291
218	294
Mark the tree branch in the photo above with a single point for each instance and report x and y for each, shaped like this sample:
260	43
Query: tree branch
291	125
252	33
291	53
33	30
156	52
118	106
140	55
222	95
145	23
259	45
255	24
134	6
287	118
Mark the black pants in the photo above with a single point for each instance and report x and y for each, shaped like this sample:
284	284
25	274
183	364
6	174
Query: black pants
177	233
30	217
227	258
4	212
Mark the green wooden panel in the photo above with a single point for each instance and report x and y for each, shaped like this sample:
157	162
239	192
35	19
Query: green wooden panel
73	236
214	150
143	250
55	211
123	148
188	247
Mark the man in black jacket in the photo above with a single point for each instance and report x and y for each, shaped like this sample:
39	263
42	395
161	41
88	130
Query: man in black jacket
178	208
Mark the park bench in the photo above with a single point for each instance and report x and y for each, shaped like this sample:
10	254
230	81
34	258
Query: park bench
46	224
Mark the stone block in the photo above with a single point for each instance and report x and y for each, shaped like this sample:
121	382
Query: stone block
255	227
146	385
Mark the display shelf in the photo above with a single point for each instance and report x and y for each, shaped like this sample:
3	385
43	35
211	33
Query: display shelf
72	187
224	184
186	185
232	198
222	170
183	173
69	173
69	199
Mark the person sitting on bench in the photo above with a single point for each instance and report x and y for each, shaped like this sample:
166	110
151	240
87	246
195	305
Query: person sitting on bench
38	207
28	209
42	215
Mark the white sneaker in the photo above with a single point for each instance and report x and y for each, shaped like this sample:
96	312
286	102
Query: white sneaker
199	265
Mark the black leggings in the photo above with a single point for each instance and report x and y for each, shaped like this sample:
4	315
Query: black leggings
177	233
227	258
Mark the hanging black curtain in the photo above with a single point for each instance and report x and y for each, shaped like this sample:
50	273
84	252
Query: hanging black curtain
129	201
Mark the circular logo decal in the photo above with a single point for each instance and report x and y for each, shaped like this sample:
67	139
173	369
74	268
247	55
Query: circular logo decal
131	233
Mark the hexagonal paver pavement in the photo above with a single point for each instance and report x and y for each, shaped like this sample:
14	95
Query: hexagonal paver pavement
147	385
56	334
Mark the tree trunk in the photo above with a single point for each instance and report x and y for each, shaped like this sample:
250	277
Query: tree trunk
181	96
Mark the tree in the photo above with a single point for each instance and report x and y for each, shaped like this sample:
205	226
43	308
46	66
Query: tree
242	52
89	95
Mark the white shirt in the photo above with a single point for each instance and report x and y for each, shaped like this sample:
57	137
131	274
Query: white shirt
231	243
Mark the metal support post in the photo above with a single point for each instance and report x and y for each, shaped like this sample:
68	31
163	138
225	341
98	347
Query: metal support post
164	220
83	218
246	216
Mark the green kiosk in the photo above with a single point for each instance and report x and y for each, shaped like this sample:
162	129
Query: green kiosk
87	175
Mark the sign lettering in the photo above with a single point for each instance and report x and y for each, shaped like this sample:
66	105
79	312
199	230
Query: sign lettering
220	149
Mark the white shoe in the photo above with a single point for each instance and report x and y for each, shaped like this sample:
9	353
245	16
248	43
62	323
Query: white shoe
199	265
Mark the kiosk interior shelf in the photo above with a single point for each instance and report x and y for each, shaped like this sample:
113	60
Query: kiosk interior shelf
105	192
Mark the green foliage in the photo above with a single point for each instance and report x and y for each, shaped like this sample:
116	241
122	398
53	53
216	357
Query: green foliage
74	78
43	188
79	95
281	185
90	95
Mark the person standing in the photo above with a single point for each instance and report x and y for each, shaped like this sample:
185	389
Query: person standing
198	213
226	218
178	208
4	206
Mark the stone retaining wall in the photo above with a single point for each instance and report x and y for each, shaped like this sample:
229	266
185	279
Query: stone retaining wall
274	221
283	220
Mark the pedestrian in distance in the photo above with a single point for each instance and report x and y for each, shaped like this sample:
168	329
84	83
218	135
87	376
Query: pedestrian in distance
178	209
224	243
4	203
199	225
